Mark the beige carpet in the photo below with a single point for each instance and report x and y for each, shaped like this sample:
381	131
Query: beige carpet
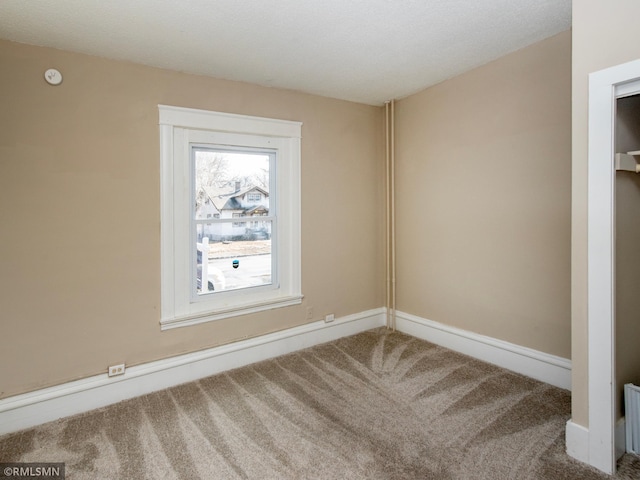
377	405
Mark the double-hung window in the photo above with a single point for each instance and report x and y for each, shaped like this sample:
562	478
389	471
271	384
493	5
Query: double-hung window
219	172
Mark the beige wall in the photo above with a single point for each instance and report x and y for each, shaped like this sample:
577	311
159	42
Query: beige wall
604	35
627	252
483	184
79	175
483	206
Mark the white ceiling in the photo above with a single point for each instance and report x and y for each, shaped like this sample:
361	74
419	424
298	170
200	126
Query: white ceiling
366	51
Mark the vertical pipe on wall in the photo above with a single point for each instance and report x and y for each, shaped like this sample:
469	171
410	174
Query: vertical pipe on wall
393	218
387	216
390	254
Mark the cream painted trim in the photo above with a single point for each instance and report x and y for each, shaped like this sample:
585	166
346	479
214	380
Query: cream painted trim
179	127
577	441
604	87
34	408
187	321
621	437
227	122
532	363
41	406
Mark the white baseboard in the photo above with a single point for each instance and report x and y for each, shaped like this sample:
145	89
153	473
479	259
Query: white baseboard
532	363
577	441
621	437
41	406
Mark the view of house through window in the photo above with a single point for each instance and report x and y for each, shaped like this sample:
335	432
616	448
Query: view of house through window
233	220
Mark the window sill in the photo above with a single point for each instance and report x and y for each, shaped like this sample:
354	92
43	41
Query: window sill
185	321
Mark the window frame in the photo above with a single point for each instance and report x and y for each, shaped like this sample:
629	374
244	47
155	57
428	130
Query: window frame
238	220
179	129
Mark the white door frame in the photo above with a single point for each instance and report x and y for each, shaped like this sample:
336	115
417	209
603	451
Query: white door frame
605	86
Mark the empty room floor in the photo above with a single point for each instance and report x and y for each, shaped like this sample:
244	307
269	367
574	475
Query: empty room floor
376	405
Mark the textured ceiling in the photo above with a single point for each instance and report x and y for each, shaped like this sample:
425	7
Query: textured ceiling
365	51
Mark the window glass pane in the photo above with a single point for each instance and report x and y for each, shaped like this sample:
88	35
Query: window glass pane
230	184
233	264
232	187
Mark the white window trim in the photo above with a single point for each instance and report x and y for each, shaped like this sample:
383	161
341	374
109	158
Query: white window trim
177	124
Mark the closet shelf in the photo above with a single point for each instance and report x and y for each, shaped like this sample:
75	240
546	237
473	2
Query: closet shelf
627	162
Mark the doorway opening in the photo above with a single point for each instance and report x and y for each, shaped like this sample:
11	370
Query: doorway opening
606	87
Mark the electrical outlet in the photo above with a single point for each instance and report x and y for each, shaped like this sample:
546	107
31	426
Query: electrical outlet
116	370
329	318
309	313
